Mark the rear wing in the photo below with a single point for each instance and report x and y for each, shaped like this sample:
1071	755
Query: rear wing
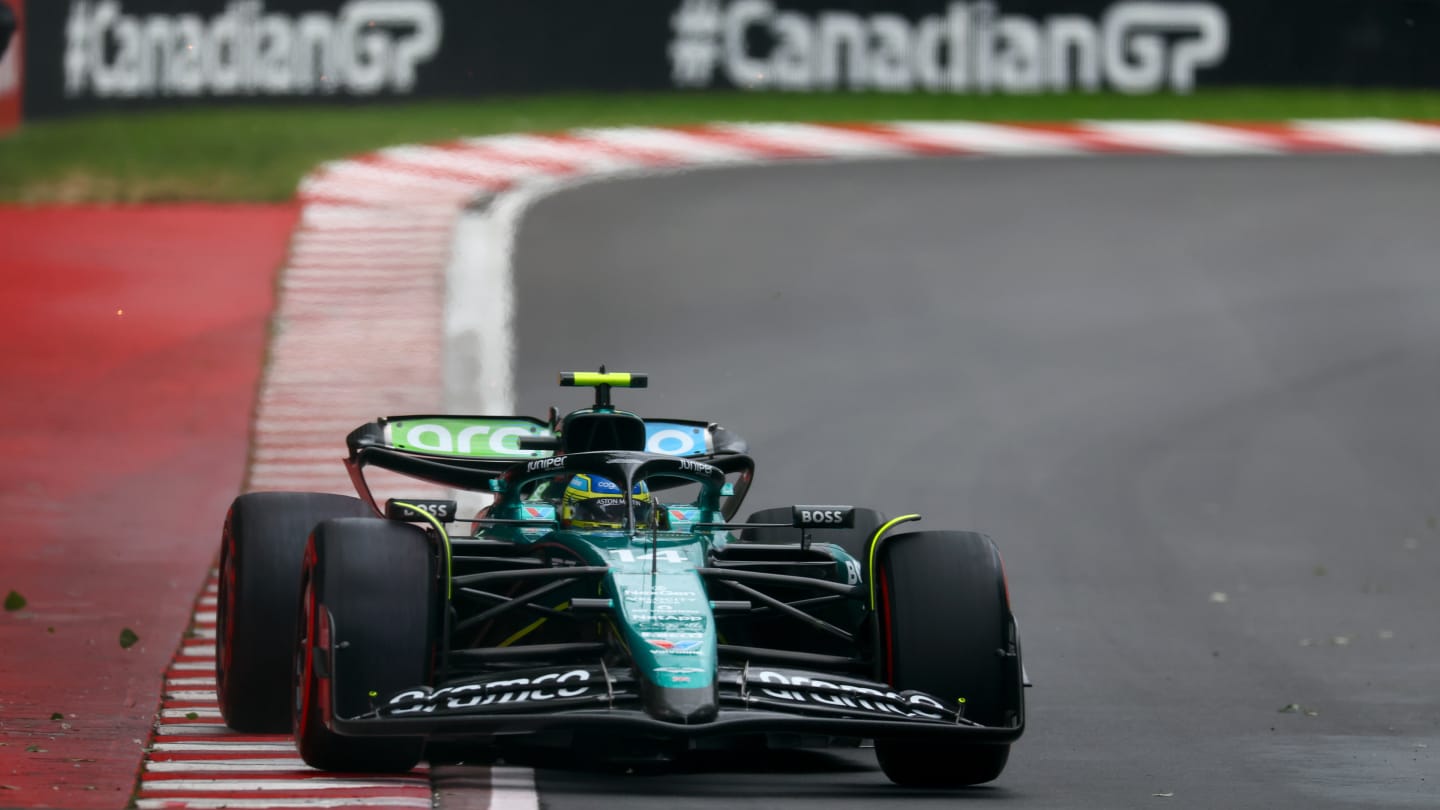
503	438
689	438
462	438
469	452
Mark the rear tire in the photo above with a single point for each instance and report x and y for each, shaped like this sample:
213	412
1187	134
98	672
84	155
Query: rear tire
369	617
260	555
944	620
855	541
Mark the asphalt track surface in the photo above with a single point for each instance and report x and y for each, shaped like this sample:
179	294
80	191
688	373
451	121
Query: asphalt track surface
1194	401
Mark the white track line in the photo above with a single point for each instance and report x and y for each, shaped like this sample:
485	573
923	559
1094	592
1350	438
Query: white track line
513	789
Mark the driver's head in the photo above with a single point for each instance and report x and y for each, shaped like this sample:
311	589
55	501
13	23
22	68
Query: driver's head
593	502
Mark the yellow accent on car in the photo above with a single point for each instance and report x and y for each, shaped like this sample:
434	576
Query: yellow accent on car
875	543
618	379
532	627
444	539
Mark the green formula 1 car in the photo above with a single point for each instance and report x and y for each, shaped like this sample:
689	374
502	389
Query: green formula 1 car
606	600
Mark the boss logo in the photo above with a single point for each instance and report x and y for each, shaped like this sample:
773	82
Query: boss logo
397	510
553	463
824	517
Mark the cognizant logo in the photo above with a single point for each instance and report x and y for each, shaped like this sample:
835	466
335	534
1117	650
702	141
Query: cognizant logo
365	48
1134	47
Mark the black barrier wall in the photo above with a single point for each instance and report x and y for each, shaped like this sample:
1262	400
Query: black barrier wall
102	54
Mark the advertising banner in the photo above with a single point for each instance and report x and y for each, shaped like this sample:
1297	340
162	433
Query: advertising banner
110	49
956	47
109	54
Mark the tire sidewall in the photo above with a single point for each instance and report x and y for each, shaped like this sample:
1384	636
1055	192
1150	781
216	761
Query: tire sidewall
368	622
262	547
944	621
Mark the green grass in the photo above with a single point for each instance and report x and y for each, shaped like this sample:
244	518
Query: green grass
236	154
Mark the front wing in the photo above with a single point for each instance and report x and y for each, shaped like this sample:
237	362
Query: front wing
750	700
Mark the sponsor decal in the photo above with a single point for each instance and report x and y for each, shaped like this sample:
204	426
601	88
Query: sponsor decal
668	625
443	510
852	572
363	48
659	596
680	645
672	618
659	593
479	438
675	440
687	465
1136	46
794	687
554	463
823	517
559	685
601	484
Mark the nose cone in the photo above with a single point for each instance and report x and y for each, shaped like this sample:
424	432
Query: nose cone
686	707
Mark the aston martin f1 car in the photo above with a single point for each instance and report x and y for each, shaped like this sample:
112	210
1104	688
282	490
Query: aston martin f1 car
372	627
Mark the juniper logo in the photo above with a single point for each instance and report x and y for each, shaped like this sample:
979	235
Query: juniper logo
367	47
1134	47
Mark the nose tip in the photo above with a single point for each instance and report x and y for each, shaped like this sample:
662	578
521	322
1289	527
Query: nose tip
681	706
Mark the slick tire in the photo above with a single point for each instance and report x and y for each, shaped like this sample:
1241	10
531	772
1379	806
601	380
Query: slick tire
261	549
370	601
854	541
946	629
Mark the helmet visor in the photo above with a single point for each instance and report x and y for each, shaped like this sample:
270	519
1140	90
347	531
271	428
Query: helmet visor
609	512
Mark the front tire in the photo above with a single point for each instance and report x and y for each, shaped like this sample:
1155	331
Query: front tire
946	629
369	618
260	555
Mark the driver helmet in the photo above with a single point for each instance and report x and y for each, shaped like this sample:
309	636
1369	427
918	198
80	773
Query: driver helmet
595	502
